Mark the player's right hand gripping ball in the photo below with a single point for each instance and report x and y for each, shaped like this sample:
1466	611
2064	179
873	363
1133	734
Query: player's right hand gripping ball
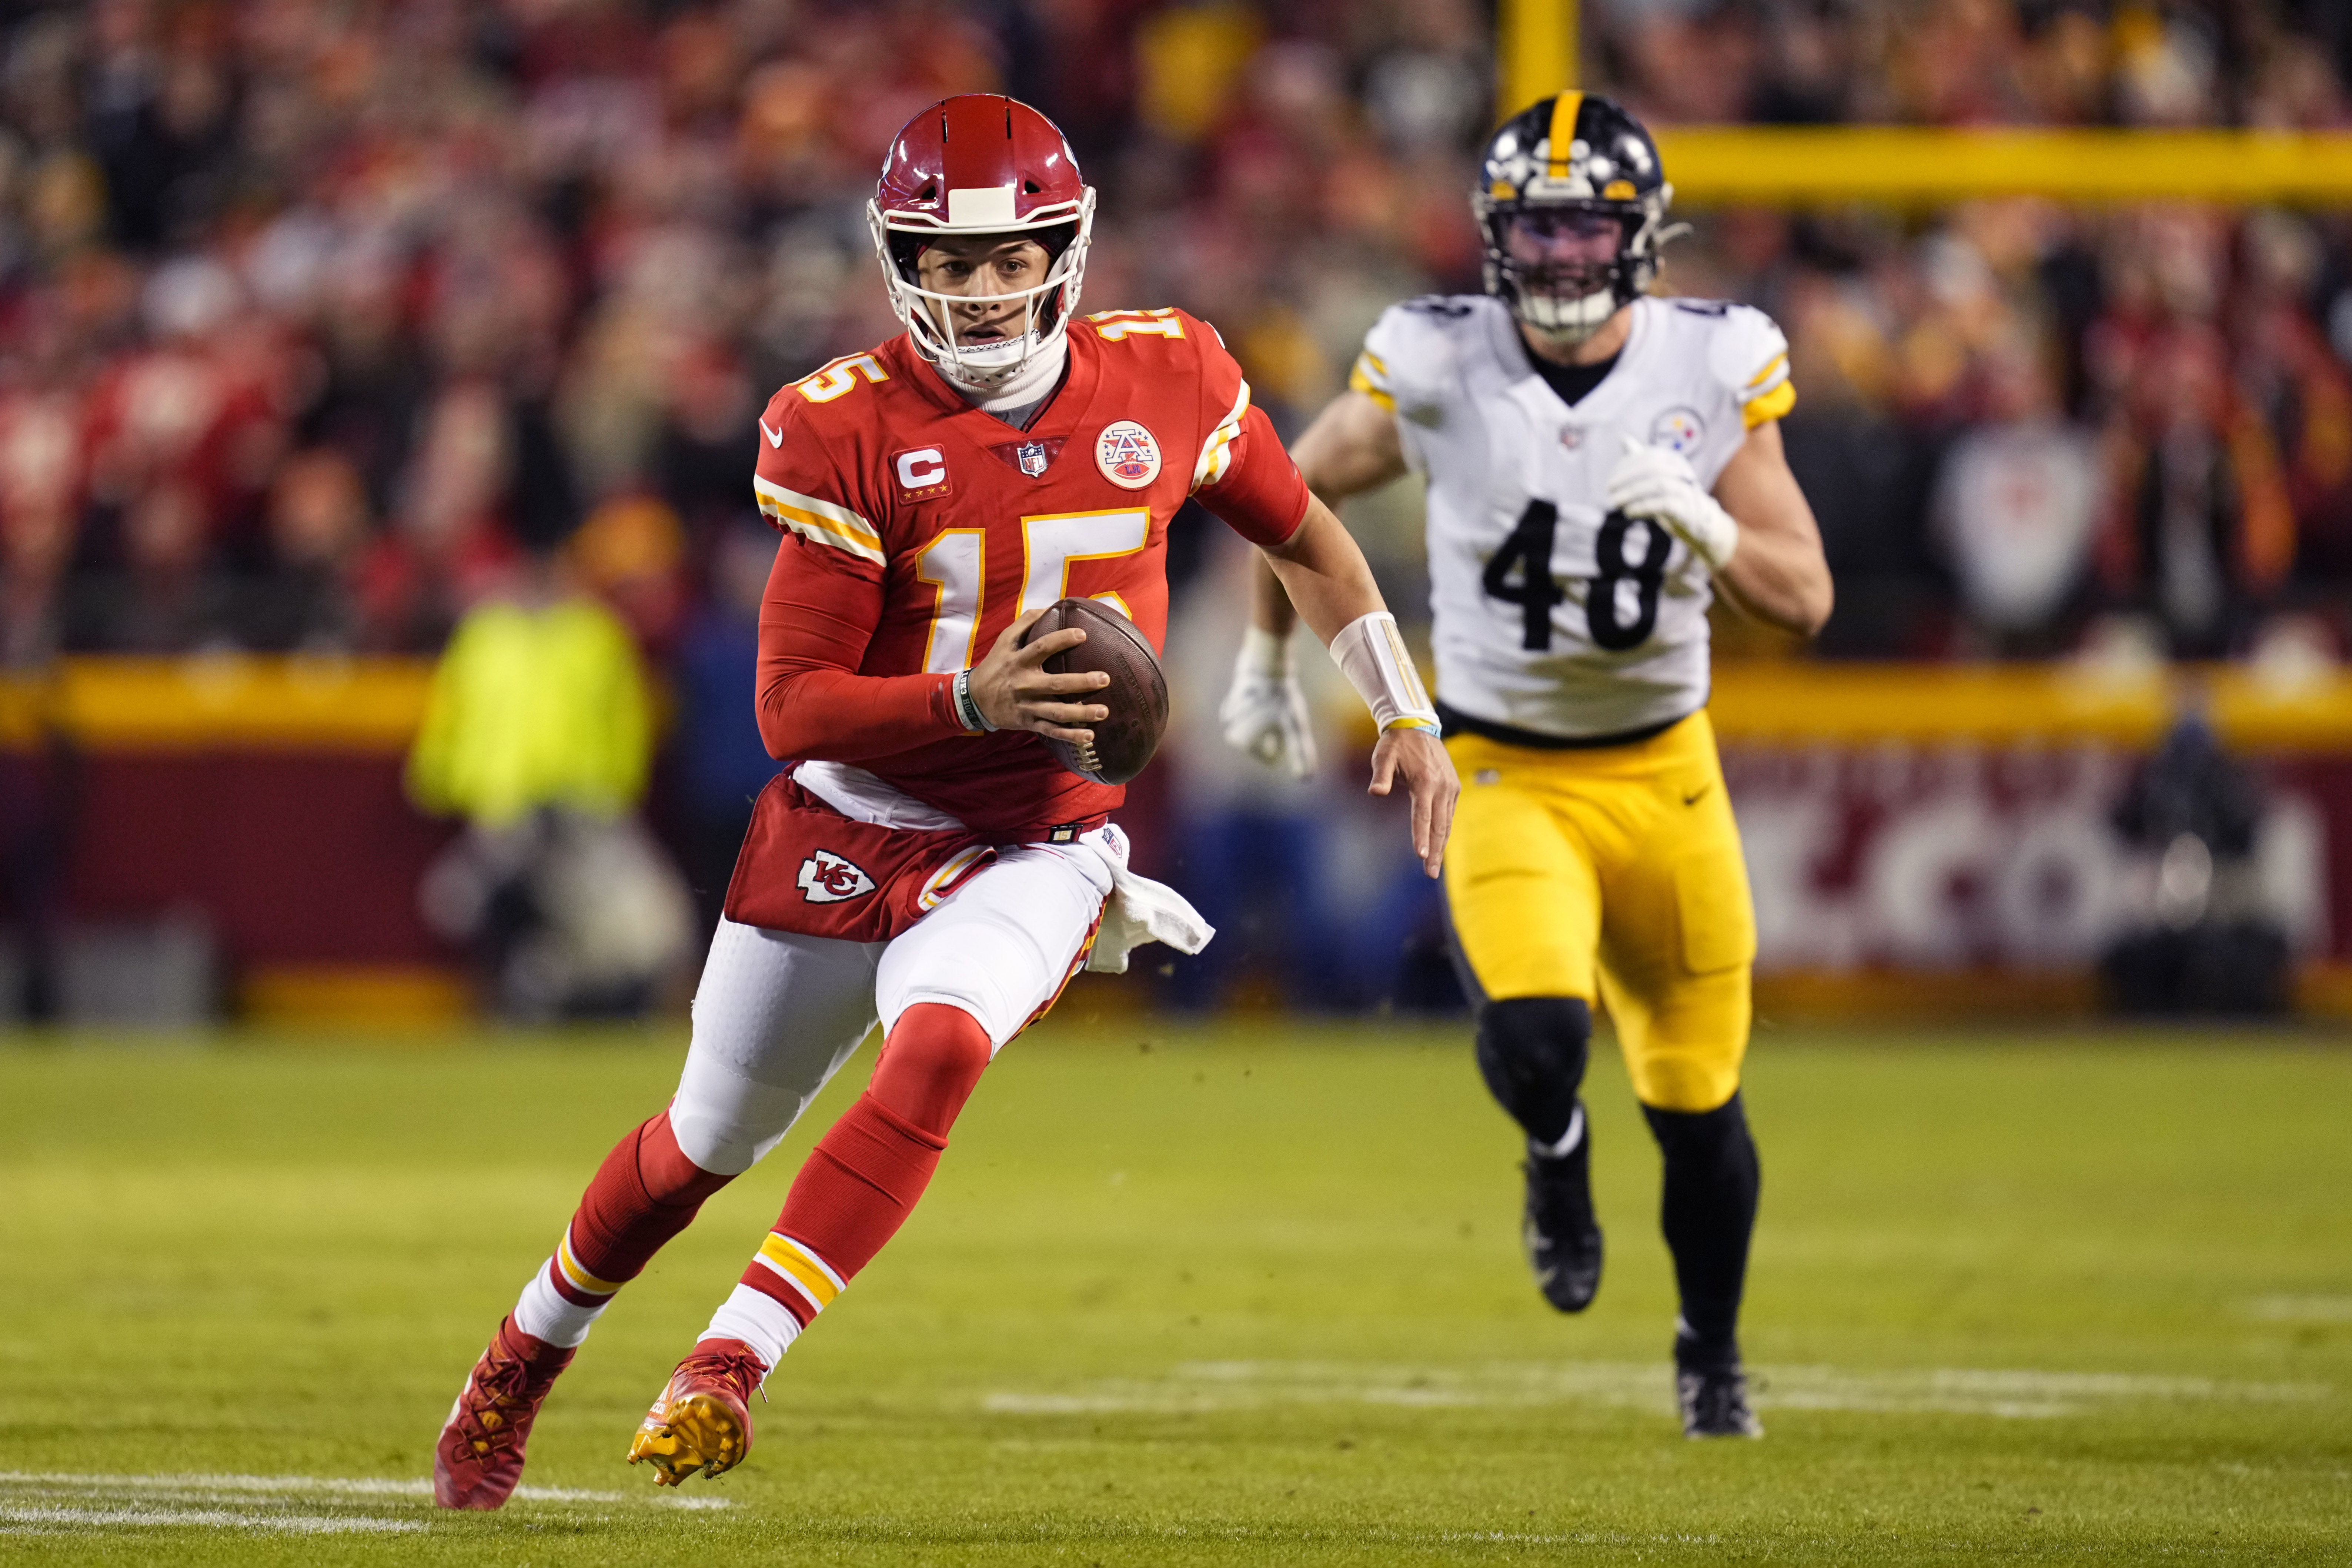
1137	695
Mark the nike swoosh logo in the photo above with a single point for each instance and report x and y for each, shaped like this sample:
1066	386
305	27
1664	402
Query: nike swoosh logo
775	437
1693	799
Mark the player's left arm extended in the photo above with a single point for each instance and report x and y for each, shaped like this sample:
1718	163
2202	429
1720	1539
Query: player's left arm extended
1328	579
1778	573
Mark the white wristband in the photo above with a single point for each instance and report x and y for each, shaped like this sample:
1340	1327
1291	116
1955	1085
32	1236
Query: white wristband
968	708
1263	653
1372	655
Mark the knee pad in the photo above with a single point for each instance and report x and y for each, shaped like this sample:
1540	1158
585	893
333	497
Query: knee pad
669	1174
966	981
1532	1051
725	1123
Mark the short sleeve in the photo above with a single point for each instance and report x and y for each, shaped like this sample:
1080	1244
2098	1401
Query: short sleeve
799	487
1749	358
1243	474
1393	371
1370	377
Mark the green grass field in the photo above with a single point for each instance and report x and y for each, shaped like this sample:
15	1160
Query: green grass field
1232	1295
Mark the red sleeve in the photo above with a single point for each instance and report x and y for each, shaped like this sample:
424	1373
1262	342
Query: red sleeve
819	614
1241	473
1261	495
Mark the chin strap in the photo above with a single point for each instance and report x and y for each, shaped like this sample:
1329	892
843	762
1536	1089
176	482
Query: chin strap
1566	333
1033	379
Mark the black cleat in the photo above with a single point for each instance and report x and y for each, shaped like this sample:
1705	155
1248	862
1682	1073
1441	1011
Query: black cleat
1562	1238
1715	1403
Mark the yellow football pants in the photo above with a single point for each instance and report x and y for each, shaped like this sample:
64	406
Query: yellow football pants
1612	875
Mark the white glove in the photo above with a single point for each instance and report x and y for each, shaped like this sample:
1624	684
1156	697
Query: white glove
1657	484
1264	712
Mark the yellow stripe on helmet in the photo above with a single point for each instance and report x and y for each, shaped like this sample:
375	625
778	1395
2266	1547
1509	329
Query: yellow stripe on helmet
1562	134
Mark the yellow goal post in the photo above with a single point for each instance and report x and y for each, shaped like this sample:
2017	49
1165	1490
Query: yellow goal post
1536	47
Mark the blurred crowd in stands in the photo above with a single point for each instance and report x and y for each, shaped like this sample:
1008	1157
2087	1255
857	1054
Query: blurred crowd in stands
316	320
2172	64
2032	429
318	317
321	323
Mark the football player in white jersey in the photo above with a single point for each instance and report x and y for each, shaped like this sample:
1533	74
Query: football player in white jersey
1600	463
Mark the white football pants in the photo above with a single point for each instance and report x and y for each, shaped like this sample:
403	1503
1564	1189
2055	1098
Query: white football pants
778	1013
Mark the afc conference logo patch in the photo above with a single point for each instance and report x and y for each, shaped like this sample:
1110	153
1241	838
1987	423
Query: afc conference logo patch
826	879
1127	455
1678	430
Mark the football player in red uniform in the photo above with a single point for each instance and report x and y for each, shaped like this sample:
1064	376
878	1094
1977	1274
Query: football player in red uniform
926	862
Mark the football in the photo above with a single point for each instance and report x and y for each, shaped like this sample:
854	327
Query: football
1137	695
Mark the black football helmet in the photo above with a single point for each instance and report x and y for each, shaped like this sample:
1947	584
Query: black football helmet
1575	152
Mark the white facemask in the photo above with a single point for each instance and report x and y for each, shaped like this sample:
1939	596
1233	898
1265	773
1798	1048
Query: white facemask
1566	323
988	368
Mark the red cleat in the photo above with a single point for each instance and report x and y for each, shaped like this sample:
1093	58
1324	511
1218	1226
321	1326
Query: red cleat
702	1422
478	1459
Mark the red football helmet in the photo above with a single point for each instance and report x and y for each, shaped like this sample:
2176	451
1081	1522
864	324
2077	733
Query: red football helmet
981	163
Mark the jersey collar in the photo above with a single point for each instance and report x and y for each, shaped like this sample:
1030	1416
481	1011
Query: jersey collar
1530	387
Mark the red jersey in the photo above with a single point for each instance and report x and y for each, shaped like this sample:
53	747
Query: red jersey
917	528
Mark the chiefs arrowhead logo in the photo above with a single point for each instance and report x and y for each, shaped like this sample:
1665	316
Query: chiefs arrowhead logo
827	879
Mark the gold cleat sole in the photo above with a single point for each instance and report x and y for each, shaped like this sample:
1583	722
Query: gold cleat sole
697	1436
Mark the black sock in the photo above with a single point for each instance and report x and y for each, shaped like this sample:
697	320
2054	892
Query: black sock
1532	1050
1708	1212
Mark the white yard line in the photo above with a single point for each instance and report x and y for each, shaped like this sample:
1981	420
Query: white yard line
2014	1395
2300	1309
148	1515
36	1502
356	1486
350	1486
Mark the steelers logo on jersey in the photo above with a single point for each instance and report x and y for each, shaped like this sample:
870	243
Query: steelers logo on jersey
1127	455
1678	430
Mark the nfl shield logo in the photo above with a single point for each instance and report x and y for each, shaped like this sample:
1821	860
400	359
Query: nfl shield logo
1032	457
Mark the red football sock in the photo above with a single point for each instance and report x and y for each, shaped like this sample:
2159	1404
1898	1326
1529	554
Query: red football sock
929	1066
645	1191
863	1176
